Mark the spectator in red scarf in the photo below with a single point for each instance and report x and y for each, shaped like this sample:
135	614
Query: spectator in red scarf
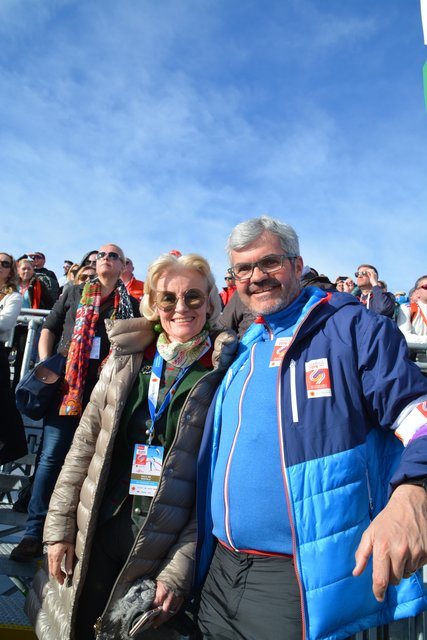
76	328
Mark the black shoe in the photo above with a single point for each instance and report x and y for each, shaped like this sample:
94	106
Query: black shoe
27	550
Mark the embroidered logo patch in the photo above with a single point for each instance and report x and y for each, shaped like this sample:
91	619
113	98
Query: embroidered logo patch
317	378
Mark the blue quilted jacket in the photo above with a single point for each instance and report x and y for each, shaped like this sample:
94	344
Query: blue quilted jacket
341	458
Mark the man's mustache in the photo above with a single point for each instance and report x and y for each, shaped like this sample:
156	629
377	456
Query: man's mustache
265	284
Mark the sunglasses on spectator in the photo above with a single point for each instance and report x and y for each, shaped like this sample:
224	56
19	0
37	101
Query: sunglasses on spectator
113	255
5	264
89	262
228	278
361	273
167	300
422	286
84	277
269	264
34	256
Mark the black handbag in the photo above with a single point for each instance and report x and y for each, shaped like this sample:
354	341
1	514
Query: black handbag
37	390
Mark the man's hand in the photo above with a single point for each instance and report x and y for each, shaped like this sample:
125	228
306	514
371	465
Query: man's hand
397	540
373	277
170	602
55	555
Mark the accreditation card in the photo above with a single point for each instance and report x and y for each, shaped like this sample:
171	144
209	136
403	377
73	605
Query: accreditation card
146	469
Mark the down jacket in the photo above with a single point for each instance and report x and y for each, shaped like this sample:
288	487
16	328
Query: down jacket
165	546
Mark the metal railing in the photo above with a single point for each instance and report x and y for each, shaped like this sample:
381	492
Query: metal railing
33	319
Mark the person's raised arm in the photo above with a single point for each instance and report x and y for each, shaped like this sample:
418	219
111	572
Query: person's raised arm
46	343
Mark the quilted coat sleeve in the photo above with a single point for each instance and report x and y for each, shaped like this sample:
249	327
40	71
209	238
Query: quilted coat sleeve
178	566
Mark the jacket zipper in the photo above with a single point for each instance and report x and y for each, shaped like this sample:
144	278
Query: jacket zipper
98	624
292	372
288	501
371	502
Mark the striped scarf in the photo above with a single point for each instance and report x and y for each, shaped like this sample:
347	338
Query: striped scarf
81	342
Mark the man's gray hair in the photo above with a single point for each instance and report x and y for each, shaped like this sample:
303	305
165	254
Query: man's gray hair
247	232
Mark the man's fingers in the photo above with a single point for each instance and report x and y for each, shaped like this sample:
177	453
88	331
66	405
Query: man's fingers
381	572
363	553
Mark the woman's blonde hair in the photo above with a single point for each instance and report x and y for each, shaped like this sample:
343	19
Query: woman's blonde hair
167	262
11	283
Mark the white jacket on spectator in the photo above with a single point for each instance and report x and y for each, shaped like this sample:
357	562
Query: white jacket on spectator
415	329
10	308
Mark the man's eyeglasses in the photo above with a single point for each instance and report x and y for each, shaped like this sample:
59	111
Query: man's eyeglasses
167	300
422	286
269	264
113	255
5	264
361	273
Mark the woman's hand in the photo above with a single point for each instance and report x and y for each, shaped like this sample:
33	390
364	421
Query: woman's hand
56	553
166	599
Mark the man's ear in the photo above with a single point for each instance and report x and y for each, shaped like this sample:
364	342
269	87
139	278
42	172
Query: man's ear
299	266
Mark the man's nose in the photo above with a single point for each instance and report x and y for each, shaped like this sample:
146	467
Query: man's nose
258	274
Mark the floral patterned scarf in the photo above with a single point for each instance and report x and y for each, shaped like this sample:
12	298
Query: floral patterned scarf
183	354
81	342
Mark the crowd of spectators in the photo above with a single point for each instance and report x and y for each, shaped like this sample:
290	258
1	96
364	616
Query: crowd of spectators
100	287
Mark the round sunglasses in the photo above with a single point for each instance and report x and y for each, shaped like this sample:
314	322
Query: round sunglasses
167	300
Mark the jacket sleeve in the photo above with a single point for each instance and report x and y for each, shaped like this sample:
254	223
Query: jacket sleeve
382	302
59	320
395	392
405	325
10	308
177	569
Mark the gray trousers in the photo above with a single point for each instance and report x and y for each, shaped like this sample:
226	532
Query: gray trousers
250	597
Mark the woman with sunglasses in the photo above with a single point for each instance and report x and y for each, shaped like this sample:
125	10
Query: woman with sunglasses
76	328
12	436
36	295
121	520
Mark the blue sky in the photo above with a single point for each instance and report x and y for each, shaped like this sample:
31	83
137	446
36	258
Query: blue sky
161	124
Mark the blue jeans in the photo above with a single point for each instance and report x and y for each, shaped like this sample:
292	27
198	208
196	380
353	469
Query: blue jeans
58	432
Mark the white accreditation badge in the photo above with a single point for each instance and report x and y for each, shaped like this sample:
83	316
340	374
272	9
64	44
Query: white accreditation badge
146	469
95	352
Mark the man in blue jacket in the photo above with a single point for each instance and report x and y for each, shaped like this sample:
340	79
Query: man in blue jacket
317	461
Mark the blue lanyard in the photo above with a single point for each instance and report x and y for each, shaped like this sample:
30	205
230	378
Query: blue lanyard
154	388
153	392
